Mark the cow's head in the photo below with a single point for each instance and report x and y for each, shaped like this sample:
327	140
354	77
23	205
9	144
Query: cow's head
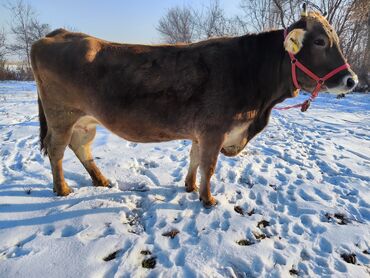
315	44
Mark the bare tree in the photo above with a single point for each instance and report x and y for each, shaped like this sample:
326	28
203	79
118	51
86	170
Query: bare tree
213	22
262	15
26	29
258	14
366	64
5	74
177	25
2	47
360	46
185	25
2	54
38	30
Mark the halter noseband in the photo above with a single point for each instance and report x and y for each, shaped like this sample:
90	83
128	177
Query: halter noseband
319	80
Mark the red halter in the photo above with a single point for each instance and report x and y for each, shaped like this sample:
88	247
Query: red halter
319	80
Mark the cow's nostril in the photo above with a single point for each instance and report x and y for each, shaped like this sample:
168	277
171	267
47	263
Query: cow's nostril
350	82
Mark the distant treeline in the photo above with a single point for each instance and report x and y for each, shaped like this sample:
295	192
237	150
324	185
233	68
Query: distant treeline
20	73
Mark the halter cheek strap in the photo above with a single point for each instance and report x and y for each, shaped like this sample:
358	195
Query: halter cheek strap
319	80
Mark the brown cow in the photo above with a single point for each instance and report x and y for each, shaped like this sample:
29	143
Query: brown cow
218	93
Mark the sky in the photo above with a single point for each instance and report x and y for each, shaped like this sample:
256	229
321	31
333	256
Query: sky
116	20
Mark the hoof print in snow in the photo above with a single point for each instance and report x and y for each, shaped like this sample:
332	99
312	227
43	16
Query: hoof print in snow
293	271
28	190
251	212
134	231
259	236
112	256
244	242
171	234
328	217
343	220
366	252
149	263
145	252
338	218
263	224
239	210
349	258
135	226
3	256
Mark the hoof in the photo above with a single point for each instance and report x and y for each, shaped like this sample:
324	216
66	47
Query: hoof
191	188
102	183
111	184
64	191
211	202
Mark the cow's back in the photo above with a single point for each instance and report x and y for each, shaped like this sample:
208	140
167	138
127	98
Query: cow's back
168	70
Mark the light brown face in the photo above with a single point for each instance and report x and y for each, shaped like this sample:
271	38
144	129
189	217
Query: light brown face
316	45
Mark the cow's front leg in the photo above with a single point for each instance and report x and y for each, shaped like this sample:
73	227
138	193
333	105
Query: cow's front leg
209	149
191	177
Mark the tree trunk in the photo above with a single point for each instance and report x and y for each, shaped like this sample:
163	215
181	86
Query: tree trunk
366	68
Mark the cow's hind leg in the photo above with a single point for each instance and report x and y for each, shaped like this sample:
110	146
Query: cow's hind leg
191	178
82	137
60	124
209	148
56	142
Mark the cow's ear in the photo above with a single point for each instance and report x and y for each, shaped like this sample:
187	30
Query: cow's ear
294	41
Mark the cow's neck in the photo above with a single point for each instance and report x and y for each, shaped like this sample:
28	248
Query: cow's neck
271	71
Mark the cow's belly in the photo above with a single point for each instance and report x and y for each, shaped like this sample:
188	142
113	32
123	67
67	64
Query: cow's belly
235	140
144	130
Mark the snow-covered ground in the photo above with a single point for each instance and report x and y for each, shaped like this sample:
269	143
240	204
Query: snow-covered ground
303	186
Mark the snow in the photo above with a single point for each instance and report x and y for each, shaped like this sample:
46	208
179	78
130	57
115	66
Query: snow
307	174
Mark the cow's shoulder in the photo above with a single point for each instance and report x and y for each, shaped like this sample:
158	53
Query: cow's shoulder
64	36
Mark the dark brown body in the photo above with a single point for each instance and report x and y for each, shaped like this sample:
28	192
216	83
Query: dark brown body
218	93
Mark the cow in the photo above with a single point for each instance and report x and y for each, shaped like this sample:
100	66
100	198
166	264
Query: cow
218	93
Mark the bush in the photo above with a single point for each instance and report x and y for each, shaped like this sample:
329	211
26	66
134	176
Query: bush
20	73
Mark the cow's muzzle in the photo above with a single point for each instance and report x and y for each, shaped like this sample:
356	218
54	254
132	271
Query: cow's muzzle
347	84
350	81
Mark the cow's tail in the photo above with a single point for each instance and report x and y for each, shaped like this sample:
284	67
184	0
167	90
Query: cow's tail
42	118
43	127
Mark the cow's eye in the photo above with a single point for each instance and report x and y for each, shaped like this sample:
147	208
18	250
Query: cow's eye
319	42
